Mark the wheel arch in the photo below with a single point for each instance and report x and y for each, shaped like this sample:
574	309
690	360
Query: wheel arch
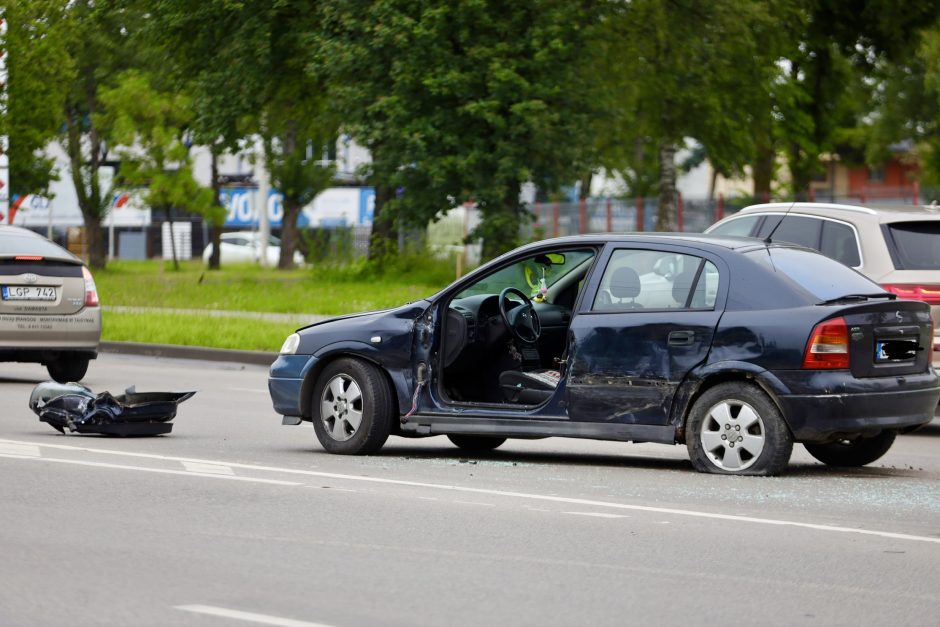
697	383
324	360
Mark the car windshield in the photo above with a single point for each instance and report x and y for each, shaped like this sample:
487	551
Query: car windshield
915	245
824	278
527	274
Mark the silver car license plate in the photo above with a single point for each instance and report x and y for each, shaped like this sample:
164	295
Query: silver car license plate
28	292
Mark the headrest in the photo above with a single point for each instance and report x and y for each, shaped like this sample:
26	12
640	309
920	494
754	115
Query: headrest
625	283
682	285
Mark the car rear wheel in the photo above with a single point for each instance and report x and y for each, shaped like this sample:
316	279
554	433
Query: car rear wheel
477	443
736	429
68	369
852	453
352	408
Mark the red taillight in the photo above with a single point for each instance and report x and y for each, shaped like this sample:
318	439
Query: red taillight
91	290
28	258
828	346
926	293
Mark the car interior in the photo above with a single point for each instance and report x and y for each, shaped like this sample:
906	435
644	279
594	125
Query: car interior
505	335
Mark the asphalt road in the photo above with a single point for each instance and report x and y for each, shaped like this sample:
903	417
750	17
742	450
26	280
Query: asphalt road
234	519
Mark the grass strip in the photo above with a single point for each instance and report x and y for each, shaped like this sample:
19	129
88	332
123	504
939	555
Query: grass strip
196	330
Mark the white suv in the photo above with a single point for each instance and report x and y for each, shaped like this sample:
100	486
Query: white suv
896	246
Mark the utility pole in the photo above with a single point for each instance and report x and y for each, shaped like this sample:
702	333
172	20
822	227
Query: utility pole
261	174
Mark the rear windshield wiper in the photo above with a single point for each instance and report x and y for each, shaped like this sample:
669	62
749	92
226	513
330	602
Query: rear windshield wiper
853	298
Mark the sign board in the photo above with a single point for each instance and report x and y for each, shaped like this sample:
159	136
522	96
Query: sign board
336	206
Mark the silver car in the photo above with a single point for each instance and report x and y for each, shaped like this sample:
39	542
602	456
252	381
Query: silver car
896	246
49	312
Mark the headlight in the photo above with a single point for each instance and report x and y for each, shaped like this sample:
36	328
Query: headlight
290	344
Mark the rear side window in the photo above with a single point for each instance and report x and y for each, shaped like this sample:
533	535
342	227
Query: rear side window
799	230
742	226
821	276
915	245
840	243
653	279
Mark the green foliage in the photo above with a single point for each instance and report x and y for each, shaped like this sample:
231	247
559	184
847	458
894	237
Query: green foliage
38	69
463	101
149	126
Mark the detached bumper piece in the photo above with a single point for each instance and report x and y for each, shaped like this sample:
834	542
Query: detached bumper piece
74	407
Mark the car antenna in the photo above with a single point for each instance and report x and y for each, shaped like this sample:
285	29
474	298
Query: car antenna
767	239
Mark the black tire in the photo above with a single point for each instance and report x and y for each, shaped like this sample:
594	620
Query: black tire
734	428
68	369
373	405
476	443
852	453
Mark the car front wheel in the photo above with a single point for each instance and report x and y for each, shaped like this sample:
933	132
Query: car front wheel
353	408
68	369
736	429
852	453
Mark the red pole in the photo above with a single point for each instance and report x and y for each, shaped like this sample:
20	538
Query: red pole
681	212
916	192
538	214
812	194
582	216
556	218
610	216
720	209
640	222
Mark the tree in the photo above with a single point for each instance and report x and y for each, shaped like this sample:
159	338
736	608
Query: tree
149	128
38	66
244	64
462	101
689	65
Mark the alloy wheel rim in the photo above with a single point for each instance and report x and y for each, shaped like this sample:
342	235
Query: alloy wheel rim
733	435
341	407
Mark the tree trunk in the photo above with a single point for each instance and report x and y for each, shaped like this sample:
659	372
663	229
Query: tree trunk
88	193
94	240
666	212
169	219
763	172
383	241
289	234
215	229
501	222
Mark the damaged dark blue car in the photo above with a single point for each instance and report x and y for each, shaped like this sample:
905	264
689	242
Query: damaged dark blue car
733	346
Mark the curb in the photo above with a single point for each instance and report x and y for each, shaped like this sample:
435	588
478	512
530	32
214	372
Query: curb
260	358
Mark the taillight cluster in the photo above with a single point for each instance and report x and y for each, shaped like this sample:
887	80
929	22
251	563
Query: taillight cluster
91	290
926	293
828	346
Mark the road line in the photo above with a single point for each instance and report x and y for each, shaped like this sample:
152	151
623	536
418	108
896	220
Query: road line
209	469
19	450
597	514
250	617
517	495
164	471
475	503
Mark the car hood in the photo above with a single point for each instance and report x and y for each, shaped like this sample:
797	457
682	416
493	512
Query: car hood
361	327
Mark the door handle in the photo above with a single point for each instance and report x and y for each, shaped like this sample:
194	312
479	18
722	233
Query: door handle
681	338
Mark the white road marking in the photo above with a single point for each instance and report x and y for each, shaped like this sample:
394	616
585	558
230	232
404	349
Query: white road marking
212	469
475	503
164	471
597	514
250	617
19	450
502	493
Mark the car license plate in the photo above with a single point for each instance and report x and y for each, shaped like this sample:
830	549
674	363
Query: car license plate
28	292
895	350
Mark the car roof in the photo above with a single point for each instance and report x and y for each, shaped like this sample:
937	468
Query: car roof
15	240
722	241
875	213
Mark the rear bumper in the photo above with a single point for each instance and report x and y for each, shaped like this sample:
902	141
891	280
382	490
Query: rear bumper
51	332
846	405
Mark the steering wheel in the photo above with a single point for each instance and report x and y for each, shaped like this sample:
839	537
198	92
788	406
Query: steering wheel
522	321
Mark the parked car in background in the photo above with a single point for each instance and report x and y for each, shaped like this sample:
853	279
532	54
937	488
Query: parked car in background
896	246
245	247
49	310
734	347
